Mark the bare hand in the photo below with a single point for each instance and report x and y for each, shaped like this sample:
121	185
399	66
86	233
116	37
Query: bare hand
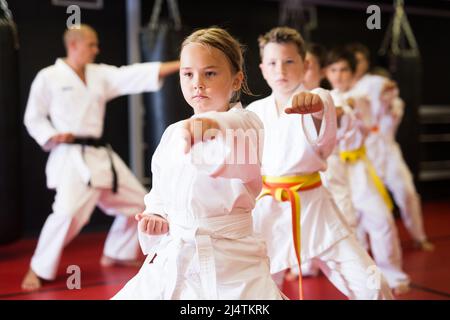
152	224
339	112
305	103
389	91
351	102
199	129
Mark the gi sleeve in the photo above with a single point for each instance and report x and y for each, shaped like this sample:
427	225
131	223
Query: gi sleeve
153	201
236	152
36	118
324	142
131	79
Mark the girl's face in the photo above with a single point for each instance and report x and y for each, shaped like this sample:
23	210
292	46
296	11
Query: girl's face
206	78
282	67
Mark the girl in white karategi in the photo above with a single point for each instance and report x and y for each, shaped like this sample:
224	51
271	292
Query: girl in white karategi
204	198
361	189
384	151
296	147
65	114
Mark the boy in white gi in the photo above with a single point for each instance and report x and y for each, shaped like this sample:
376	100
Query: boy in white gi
386	153
65	114
361	189
210	251
314	74
300	133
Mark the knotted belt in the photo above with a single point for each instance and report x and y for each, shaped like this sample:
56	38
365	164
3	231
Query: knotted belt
97	143
360	154
286	188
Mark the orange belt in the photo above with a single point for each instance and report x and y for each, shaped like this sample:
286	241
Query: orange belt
286	189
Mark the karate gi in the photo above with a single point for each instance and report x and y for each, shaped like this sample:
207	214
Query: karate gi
398	177
387	158
210	251
293	147
373	214
60	102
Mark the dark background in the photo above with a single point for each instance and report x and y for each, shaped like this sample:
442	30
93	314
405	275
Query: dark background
40	26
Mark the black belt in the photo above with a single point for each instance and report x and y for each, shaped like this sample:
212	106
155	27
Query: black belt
95	142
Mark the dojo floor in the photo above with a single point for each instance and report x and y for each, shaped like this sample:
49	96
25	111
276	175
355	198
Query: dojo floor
429	271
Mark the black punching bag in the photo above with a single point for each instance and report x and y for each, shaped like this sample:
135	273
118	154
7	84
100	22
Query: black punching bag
407	72
161	40
10	213
400	54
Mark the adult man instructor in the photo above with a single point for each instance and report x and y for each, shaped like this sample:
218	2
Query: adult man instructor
65	115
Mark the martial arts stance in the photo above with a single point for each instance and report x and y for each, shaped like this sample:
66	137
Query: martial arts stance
210	251
296	147
314	74
351	177
65	114
385	152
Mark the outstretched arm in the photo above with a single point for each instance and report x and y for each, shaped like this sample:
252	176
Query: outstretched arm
230	144
167	68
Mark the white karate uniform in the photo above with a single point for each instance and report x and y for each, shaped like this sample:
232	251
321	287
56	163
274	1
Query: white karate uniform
293	147
371	86
372	212
387	158
60	102
398	177
210	251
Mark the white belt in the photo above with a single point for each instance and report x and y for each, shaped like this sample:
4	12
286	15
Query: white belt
231	226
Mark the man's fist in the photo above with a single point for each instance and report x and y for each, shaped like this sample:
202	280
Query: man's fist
304	103
152	224
199	129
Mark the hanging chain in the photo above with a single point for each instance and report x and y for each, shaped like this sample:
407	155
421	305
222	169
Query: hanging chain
173	11
9	17
4	6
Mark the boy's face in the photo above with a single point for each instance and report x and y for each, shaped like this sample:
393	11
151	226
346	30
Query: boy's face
313	74
340	75
282	67
362	65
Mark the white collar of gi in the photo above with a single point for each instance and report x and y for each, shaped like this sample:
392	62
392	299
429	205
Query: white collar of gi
235	105
61	63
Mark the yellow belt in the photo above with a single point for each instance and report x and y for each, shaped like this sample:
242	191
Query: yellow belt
286	189
360	154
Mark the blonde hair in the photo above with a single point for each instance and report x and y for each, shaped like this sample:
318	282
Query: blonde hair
220	39
282	35
76	32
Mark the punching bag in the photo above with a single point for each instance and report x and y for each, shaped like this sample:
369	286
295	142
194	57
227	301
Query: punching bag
161	41
400	54
10	213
